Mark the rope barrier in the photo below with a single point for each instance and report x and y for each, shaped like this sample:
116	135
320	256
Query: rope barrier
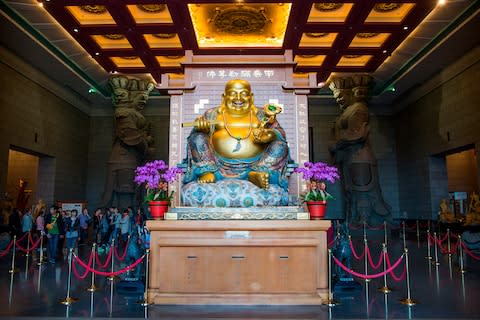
7	249
329	245
380	259
84	275
355	255
394	276
368	276
121	258
34	246
23	237
109	274
452	250
470	253
100	265
379	227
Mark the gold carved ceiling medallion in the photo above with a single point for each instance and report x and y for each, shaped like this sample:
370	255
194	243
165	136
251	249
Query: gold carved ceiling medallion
94	9
240	20
152	8
316	34
327	6
114	36
387	6
164	35
366	35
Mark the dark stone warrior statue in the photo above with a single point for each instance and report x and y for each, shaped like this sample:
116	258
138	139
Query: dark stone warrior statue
353	153
132	141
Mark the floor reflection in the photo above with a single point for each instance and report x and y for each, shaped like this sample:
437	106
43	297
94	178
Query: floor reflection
444	292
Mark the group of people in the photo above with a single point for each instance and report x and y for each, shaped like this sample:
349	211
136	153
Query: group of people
67	229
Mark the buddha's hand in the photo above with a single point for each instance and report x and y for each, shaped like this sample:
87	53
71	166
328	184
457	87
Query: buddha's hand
262	135
202	124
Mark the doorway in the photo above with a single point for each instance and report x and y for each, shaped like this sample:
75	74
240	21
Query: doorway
462	172
30	177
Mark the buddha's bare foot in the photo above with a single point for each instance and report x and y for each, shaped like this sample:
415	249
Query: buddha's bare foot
259	178
208	177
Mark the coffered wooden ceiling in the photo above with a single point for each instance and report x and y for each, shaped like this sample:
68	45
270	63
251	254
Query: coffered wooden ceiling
152	37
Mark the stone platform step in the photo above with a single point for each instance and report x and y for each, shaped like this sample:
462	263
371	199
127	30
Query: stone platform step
252	213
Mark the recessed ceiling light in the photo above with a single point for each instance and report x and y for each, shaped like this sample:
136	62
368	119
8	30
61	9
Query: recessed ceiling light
442	2
75	30
40	4
405	27
97	53
384	51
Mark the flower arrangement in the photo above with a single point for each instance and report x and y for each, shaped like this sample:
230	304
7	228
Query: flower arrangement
315	174
156	175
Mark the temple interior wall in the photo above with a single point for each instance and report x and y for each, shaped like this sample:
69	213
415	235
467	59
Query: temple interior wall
443	120
37	121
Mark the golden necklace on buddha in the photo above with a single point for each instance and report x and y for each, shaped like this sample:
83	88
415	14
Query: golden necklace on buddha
238	146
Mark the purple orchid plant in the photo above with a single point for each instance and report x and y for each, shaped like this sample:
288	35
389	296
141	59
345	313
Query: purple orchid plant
157	175
315	174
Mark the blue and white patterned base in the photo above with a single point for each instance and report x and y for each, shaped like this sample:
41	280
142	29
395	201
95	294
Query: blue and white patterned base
232	193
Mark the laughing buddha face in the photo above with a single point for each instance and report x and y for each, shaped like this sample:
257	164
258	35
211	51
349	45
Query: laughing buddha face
238	98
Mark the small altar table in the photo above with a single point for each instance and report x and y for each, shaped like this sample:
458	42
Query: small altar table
242	262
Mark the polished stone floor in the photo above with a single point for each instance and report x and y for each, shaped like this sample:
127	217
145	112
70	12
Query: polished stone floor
442	292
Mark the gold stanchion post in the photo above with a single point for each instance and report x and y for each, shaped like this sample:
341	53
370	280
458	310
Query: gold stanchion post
13	269
408	300
435	238
93	287
28	246
331	302
418	235
112	247
69	300
460	256
449	247
365	245
429	255
40	259
385	288
145	302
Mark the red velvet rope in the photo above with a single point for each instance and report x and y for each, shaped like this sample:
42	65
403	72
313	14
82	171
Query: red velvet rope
470	253
354	253
379	227
443	239
124	252
394	276
332	242
84	275
7	249
99	264
109	274
22	237
380	259
453	249
34	246
368	276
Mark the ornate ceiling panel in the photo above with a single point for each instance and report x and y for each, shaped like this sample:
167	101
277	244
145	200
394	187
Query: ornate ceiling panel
151	36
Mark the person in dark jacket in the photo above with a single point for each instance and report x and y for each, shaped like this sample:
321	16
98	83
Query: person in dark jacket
15	223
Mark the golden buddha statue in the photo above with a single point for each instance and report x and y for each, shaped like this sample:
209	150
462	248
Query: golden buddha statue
238	140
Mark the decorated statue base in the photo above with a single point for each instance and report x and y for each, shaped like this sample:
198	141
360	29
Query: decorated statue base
259	213
232	193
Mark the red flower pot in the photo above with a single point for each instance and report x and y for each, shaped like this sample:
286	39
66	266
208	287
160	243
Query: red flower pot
158	209
317	209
